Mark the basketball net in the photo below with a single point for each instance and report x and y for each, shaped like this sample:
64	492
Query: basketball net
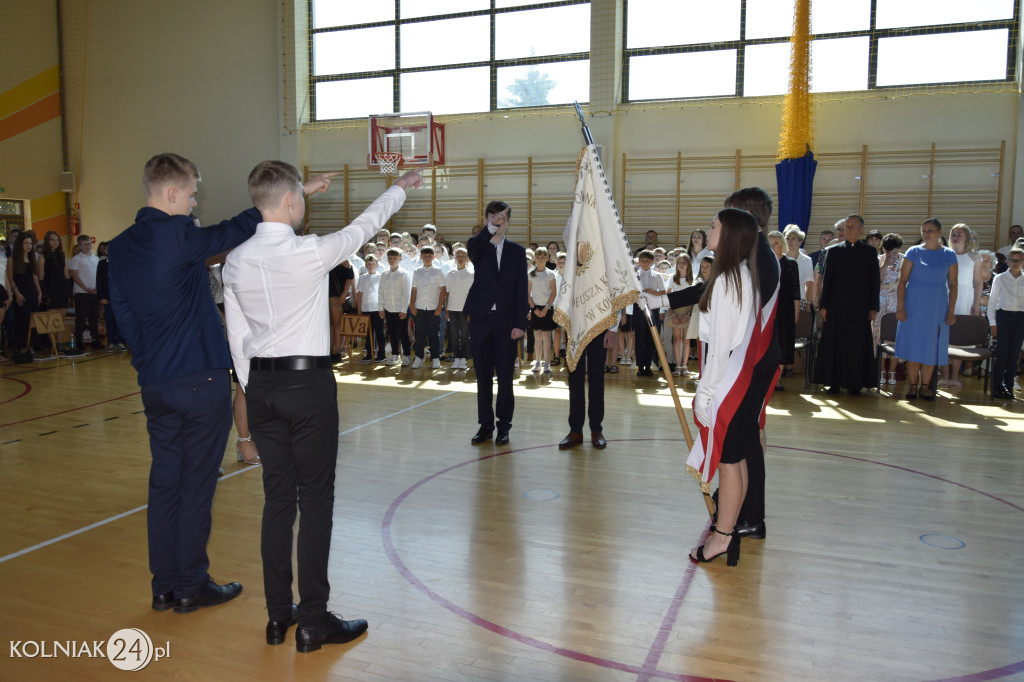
388	163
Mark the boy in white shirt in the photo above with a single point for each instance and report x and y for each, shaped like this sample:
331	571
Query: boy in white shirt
652	283
1006	319
427	303
367	303
393	292
457	286
82	268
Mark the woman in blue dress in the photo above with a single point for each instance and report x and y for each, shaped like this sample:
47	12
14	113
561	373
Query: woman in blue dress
925	301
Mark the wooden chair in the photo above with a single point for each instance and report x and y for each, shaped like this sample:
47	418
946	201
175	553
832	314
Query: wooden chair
968	340
886	344
803	345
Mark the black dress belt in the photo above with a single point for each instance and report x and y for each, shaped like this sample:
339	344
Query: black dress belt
290	362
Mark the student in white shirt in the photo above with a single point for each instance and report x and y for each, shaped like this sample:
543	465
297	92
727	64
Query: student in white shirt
427	304
393	293
1006	318
275	300
541	294
367	304
652	283
457	285
82	268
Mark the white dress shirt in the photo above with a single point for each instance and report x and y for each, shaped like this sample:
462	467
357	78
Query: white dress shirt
394	290
457	284
428	283
85	266
275	286
367	287
1007	294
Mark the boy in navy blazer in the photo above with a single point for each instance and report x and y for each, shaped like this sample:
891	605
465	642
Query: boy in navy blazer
497	308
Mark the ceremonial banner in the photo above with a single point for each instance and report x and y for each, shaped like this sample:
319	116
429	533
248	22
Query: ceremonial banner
599	279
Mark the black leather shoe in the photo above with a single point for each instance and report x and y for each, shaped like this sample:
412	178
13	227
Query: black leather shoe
162	602
482	436
757	531
210	594
335	631
1002	394
597	440
571	441
277	630
502	438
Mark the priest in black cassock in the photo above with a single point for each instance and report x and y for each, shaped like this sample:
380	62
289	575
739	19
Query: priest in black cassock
848	305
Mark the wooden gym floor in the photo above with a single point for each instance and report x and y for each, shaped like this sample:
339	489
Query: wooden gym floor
894	547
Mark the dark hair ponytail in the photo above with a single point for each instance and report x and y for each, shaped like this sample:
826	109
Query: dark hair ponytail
737	244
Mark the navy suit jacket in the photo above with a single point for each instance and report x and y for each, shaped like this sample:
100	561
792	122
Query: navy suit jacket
161	292
505	288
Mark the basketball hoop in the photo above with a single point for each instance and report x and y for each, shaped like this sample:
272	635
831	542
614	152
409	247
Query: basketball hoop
388	162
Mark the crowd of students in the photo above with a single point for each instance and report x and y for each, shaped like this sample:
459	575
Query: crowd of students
414	288
36	276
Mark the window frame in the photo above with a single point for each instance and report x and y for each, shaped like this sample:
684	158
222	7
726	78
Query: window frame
872	33
395	74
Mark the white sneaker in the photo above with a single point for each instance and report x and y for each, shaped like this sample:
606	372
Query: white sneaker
516	367
417	363
435	363
625	361
391	360
547	368
460	363
1016	385
405	361
536	367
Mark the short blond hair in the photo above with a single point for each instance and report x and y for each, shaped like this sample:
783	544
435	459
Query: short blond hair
168	168
269	181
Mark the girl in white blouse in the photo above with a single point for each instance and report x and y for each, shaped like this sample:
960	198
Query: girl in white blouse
727	326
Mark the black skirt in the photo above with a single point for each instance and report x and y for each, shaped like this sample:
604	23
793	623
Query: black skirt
542	324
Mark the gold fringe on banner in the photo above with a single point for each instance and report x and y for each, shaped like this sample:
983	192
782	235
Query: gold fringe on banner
797	135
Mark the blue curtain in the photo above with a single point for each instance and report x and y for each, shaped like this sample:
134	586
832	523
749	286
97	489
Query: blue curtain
796	189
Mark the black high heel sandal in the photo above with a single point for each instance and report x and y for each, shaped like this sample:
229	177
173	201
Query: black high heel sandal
732	552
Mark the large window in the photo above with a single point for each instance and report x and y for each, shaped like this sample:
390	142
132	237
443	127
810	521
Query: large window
446	56
726	48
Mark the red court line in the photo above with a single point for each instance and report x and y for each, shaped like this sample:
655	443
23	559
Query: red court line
643	672
649	669
28	389
73	409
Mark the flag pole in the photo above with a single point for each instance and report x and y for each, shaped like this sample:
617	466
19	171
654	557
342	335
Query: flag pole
662	360
663	364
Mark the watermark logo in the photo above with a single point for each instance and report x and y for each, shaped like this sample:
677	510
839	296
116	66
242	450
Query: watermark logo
127	649
132	649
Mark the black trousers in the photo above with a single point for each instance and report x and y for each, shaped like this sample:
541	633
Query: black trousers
188	420
376	352
493	354
427	327
645	350
293	416
1009	337
458	327
398	332
589	368
752	510
87	306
